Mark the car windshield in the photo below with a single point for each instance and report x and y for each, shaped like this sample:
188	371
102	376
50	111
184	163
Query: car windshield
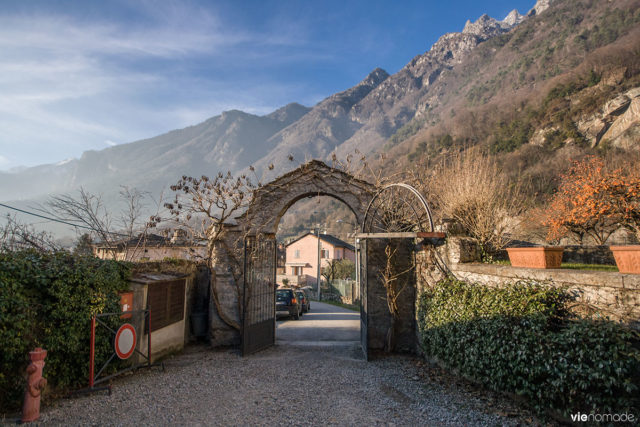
282	294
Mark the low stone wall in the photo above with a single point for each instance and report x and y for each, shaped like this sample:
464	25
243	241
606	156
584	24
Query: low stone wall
610	294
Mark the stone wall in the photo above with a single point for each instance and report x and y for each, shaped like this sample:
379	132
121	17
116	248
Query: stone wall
609	294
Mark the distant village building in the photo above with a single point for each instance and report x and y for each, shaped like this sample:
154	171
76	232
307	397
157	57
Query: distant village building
152	247
301	266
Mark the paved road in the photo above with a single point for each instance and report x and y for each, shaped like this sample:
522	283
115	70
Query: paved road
324	325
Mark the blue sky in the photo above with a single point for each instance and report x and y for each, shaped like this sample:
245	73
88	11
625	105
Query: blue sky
85	75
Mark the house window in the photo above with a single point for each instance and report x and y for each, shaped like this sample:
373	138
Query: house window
324	253
297	253
338	253
296	271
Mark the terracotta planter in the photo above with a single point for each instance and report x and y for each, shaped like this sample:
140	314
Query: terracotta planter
627	258
536	257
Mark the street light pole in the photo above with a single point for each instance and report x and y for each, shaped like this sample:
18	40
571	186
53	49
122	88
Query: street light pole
356	252
318	273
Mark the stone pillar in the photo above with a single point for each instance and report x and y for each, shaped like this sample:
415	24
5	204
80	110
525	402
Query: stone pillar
379	318
225	296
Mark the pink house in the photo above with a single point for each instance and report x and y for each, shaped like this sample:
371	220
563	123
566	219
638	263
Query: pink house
301	265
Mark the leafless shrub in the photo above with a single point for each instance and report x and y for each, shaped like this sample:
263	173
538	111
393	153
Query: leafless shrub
88	211
471	188
15	235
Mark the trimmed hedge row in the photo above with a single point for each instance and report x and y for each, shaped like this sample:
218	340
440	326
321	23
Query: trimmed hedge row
520	339
47	300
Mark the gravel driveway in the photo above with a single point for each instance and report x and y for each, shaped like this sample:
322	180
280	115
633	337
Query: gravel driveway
284	385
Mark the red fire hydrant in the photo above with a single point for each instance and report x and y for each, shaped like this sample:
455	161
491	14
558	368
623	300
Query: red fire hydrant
35	385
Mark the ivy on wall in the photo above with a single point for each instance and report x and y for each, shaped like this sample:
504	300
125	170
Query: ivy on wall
520	339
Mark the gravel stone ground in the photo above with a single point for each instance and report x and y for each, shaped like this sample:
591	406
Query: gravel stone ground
284	385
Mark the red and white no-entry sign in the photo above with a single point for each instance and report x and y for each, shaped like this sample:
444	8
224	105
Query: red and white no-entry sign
125	342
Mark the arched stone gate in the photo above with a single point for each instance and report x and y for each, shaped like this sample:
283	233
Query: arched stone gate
259	225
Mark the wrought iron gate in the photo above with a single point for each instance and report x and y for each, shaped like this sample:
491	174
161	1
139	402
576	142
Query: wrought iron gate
258	320
396	212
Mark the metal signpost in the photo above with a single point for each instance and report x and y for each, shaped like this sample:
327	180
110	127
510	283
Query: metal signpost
125	340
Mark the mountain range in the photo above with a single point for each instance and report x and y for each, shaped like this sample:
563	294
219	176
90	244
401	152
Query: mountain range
492	83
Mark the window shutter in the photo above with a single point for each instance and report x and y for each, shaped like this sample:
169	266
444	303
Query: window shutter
166	301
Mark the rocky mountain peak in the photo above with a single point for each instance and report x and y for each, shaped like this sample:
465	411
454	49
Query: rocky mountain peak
539	7
374	78
289	113
513	18
486	27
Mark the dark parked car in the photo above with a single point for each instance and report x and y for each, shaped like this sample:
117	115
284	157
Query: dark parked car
288	304
305	302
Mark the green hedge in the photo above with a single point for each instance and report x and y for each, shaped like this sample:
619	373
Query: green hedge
47	300
520	339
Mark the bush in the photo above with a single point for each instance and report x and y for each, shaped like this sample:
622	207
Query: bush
519	339
471	188
47	300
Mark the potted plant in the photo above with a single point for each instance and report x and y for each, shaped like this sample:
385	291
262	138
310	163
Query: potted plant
536	256
624	193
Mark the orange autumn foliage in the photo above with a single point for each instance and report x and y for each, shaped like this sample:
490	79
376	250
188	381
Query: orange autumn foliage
594	201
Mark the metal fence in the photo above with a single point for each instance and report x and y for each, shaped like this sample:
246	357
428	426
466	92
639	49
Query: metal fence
341	290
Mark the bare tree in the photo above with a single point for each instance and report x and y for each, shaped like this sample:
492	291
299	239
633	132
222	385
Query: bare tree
15	235
86	210
89	211
205	207
134	205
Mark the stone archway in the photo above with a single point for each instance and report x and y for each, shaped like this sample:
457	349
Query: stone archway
252	302
259	225
314	178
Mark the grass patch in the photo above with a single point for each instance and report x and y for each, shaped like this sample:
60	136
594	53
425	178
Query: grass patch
571	266
598	267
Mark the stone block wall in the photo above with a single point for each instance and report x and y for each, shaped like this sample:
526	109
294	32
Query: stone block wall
609	294
225	318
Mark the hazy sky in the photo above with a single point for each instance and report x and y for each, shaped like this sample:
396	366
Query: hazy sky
83	75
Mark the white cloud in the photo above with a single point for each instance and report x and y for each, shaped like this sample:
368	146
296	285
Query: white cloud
69	84
110	143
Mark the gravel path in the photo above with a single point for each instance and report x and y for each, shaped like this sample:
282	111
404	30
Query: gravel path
284	385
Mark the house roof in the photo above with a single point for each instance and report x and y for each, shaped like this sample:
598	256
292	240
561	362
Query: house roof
332	240
298	264
148	240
